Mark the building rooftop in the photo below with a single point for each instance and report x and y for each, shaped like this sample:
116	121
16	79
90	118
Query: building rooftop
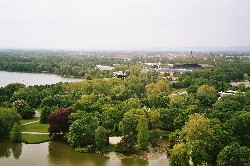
104	68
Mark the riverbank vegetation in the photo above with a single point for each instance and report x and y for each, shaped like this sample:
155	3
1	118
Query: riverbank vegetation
141	108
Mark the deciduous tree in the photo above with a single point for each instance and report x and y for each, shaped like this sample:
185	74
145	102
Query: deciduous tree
8	117
234	155
24	109
82	131
59	122
179	155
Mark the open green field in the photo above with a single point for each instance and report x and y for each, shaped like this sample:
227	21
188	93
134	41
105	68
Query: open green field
23	121
35	127
35	138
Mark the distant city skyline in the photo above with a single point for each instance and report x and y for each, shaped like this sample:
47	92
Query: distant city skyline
123	24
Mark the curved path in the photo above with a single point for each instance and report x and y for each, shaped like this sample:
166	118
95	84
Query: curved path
37	115
30	123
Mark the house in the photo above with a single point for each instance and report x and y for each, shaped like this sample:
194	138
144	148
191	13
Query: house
119	74
229	93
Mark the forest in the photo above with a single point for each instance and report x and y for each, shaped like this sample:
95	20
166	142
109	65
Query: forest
201	125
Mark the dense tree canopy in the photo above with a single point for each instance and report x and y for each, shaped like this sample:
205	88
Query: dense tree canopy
202	125
8	117
81	131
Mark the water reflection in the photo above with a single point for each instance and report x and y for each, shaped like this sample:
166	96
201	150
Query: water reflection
17	150
55	153
7	149
63	154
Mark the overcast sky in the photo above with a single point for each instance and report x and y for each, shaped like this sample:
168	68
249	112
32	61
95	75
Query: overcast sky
123	24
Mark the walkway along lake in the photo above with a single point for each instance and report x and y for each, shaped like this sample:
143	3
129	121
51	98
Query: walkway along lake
55	153
32	78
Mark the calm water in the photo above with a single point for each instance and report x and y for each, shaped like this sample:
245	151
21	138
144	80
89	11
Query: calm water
56	153
32	78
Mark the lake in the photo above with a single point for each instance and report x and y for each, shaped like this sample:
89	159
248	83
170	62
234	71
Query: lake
30	79
55	153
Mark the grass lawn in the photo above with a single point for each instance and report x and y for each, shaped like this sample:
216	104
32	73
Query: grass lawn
35	127
35	138
29	120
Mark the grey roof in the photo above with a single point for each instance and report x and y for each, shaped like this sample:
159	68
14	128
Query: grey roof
103	68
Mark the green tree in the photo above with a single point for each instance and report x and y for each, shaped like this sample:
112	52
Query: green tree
89	103
100	137
24	109
151	76
239	124
46	111
135	86
135	70
30	94
179	155
222	136
241	87
81	131
199	133
246	76
143	134
8	117
192	89
130	120
154	119
16	135
117	92
234	155
111	116
167	117
160	100
8	91
158	87
206	89
127	143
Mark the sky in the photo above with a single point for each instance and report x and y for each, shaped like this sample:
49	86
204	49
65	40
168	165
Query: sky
123	24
